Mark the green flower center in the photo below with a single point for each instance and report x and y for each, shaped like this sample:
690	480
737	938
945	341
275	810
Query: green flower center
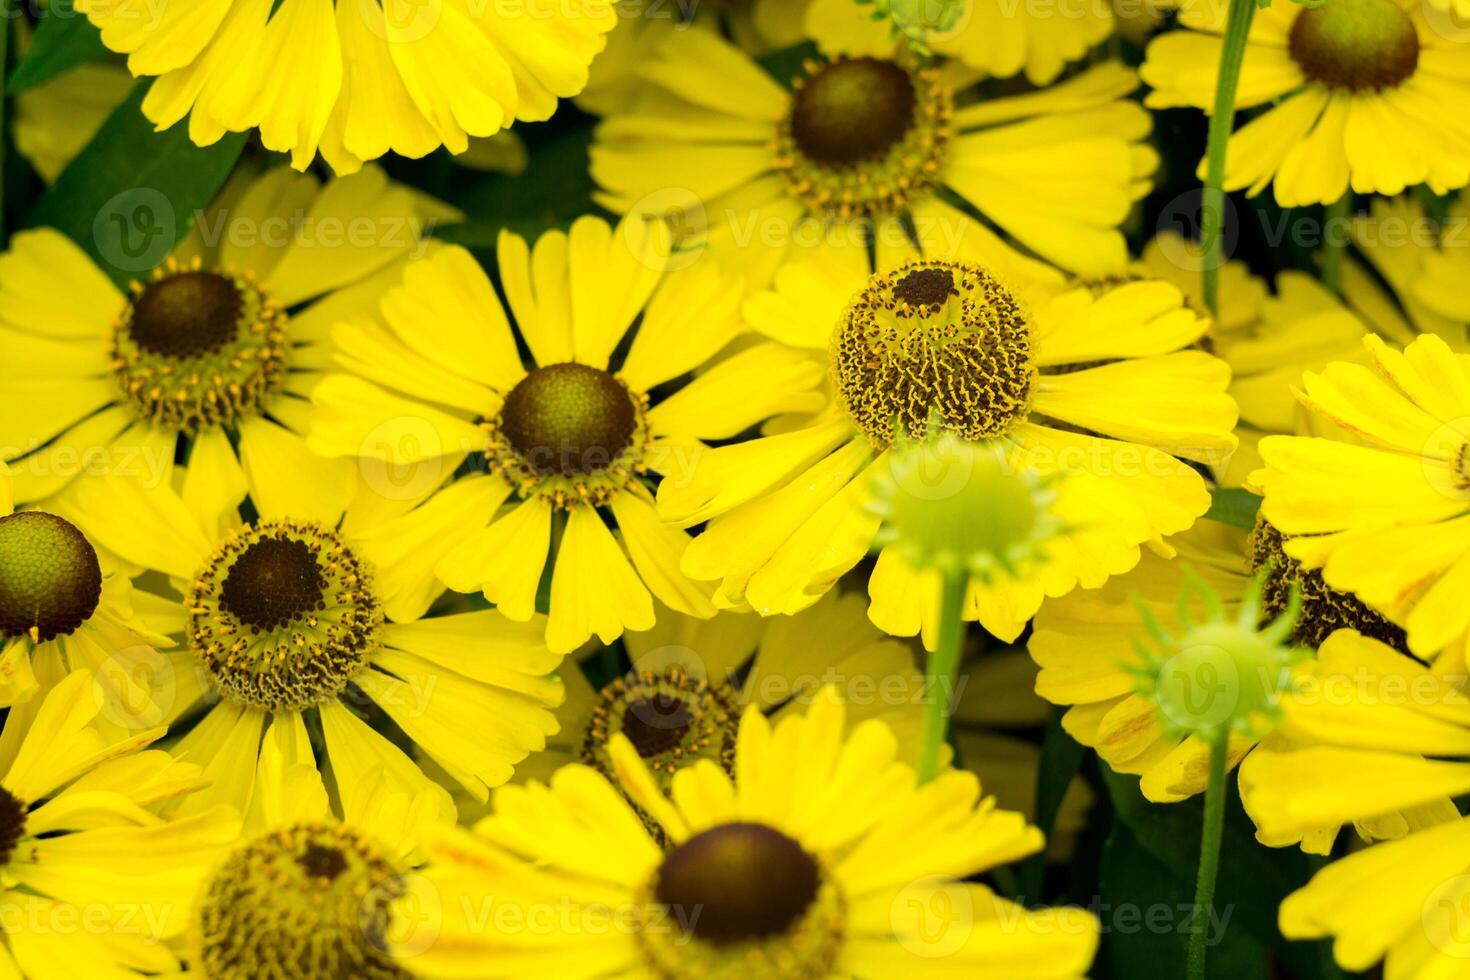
310	901
1324	609
755	903
863	136
569	419
671	718
196	348
50	580
1356	45
934	339
12	824
283	616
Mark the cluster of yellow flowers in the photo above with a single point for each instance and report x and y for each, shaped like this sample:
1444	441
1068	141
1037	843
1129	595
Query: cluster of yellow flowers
674	593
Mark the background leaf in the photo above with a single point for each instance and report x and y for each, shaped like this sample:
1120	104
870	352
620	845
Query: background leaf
63	40
133	194
1232	505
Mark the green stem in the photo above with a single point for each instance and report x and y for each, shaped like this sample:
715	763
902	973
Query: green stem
944	672
1209	855
1222	121
1334	241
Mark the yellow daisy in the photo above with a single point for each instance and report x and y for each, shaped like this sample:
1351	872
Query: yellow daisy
992	36
693	678
92	880
62	609
1386	516
869	147
364	78
306	892
1093	386
573	438
301	621
1085	646
216	349
757	26
819	859
1361	95
1390	737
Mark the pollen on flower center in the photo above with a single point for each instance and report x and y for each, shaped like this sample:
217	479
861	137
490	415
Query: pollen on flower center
196	348
311	901
12	824
1324	609
938	339
863	136
671	718
1357	45
283	616
50	580
754	901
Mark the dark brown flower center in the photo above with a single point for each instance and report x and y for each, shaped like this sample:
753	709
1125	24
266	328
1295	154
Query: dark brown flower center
569	419
657	724
1324	609
854	110
50	580
283	615
187	314
275	581
12	824
746	881
1357	45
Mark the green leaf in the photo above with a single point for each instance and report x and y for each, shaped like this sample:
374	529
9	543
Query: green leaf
1254	879
1234	506
1061	757
63	40
132	194
1147	915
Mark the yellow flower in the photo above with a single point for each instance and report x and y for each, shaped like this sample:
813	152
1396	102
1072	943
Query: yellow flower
293	620
821	858
1387	747
216	349
310	889
93	882
1386	516
866	146
1360	94
1086	646
572	441
355	80
1095	387
992	36
756	26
